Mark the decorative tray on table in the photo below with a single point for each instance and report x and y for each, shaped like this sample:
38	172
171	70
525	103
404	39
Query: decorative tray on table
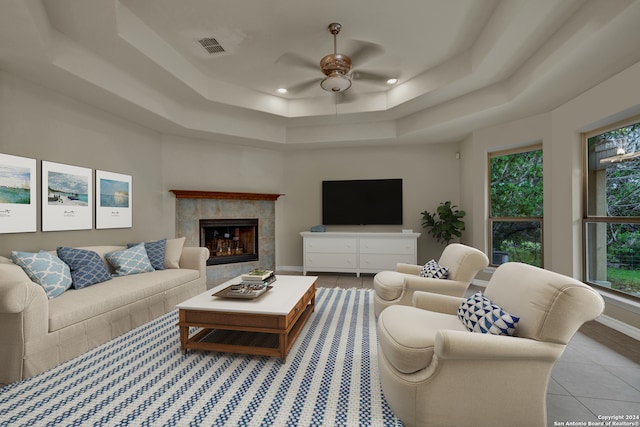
243	290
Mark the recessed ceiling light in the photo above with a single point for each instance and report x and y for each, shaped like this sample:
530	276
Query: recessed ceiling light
282	90
392	81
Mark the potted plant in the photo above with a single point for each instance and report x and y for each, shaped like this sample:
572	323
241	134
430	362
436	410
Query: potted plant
445	223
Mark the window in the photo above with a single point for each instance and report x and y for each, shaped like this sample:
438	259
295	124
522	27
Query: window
515	206
611	235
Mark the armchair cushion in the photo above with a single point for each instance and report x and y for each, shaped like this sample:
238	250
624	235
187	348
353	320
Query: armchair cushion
407	335
434	270
479	314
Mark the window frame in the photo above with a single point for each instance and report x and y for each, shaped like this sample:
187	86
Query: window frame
587	218
491	220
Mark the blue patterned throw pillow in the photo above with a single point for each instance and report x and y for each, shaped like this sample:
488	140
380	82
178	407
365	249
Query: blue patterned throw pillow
479	314
87	268
155	252
45	269
130	261
434	270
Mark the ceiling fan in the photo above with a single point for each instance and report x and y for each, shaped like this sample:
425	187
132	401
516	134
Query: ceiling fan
337	67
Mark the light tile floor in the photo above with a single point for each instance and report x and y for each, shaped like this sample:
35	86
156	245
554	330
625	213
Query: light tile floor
598	374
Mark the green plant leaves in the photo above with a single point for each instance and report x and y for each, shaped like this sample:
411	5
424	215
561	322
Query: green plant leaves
444	223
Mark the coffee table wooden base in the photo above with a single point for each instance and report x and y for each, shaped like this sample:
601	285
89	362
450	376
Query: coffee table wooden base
257	334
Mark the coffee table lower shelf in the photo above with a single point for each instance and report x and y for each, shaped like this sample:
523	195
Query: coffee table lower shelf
245	333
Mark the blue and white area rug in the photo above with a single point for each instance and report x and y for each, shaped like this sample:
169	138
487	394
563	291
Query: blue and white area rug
142	379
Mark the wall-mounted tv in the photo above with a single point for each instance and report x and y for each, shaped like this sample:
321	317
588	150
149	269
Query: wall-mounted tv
362	202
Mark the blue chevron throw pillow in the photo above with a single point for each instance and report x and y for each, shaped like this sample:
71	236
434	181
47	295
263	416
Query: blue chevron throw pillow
479	314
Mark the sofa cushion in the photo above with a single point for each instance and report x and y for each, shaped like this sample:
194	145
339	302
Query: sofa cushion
173	252
407	335
479	314
155	252
434	270
77	305
45	269
130	261
87	268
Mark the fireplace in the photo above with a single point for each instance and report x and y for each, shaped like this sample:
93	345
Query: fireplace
193	206
230	240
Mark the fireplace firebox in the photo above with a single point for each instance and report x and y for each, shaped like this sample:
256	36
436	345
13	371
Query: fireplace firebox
229	240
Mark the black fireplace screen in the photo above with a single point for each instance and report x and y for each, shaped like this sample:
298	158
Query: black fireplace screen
229	240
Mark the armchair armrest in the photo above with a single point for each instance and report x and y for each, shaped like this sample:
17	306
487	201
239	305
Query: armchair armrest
452	344
439	286
436	302
408	268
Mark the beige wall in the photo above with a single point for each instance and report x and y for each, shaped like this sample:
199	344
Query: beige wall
430	174
559	131
40	124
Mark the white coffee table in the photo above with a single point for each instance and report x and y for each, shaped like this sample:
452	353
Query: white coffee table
265	326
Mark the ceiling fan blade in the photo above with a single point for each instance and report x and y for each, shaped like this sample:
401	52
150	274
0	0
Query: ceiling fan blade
370	77
301	87
296	60
365	51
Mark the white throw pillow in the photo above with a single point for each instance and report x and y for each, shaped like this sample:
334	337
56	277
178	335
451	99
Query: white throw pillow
434	270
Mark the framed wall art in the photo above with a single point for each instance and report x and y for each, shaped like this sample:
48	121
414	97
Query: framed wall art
113	200
67	197
17	194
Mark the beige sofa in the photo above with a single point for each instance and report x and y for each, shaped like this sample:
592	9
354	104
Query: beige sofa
39	333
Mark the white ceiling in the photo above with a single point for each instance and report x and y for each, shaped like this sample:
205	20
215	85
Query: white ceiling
461	64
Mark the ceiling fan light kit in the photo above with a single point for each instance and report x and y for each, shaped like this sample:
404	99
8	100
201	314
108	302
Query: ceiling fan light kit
335	83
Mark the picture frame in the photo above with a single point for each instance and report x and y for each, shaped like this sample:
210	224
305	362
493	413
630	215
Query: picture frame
18	207
114	200
67	197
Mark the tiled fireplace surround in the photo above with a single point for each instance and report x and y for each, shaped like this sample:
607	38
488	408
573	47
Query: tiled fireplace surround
192	206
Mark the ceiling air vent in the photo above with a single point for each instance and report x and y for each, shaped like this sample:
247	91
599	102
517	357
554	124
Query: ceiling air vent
211	45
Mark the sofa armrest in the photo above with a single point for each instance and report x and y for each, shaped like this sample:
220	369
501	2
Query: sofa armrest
408	268
452	344
195	258
16	296
440	286
17	291
437	302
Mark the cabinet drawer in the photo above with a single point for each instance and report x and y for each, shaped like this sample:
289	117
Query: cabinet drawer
383	262
330	260
332	245
387	246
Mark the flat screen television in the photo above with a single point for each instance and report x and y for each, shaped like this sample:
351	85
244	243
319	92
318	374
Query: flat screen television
362	202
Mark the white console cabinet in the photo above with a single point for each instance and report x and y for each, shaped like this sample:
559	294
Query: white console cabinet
357	252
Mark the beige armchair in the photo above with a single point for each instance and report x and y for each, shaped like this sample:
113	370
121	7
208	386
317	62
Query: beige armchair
434	372
397	287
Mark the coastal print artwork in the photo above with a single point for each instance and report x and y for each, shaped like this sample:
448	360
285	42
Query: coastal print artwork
67	197
17	194
113	200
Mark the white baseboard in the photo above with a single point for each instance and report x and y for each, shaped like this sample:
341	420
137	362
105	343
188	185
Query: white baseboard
619	326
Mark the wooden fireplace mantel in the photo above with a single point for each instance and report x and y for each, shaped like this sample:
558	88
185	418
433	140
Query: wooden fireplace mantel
195	194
